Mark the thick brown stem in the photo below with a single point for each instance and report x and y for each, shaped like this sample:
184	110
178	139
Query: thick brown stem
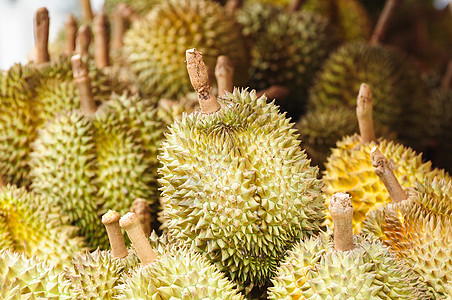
2	182
341	211
364	114
101	40
118	27
71	30
111	222
130	223
199	78
141	208
87	10
232	6
274	92
83	82
42	35
83	40
129	14
224	72
446	82
384	170
295	5
383	22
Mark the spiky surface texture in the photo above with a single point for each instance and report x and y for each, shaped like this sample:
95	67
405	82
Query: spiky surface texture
237	188
88	165
314	269
178	274
30	225
419	231
349	169
286	49
156	45
399	94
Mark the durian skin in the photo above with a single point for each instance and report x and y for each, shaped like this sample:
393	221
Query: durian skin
349	169
314	269
30	225
237	188
179	273
418	230
156	45
87	165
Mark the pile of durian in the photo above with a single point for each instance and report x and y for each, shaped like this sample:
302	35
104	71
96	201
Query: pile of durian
149	153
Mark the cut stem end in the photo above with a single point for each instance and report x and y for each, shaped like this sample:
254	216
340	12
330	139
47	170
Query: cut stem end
111	222
364	114
341	211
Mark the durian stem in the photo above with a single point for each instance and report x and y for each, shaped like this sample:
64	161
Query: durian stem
83	40
130	223
101	40
232	6
364	114
446	82
83	82
295	5
129	14
87	10
140	207
118	27
224	72
341	211
111	222
71	30
42	35
384	170
199	78
383	21
275	91
2	182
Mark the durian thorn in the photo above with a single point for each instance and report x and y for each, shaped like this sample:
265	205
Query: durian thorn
101	40
274	92
199	78
130	223
295	5
364	114
87	10
232	6
118	27
83	40
446	82
224	72
384	170
341	211
383	21
42	35
83	82
111	222
141	208
70	28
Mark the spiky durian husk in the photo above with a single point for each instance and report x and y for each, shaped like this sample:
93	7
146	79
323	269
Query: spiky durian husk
349	169
237	188
418	230
87	165
399	94
314	269
31	226
286	49
156	45
179	273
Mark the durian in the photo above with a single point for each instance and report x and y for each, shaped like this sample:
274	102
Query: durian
142	7
155	46
235	185
344	267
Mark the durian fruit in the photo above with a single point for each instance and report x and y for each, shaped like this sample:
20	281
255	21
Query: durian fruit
235	185
142	7
95	158
344	266
349	169
178	273
30	225
398	90
155	46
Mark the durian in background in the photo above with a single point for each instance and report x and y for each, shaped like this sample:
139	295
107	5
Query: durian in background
93	158
235	185
349	169
344	266
416	226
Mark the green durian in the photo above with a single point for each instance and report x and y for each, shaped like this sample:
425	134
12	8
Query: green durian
87	164
156	45
398	90
237	188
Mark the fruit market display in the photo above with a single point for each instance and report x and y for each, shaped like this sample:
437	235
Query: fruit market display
238	149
